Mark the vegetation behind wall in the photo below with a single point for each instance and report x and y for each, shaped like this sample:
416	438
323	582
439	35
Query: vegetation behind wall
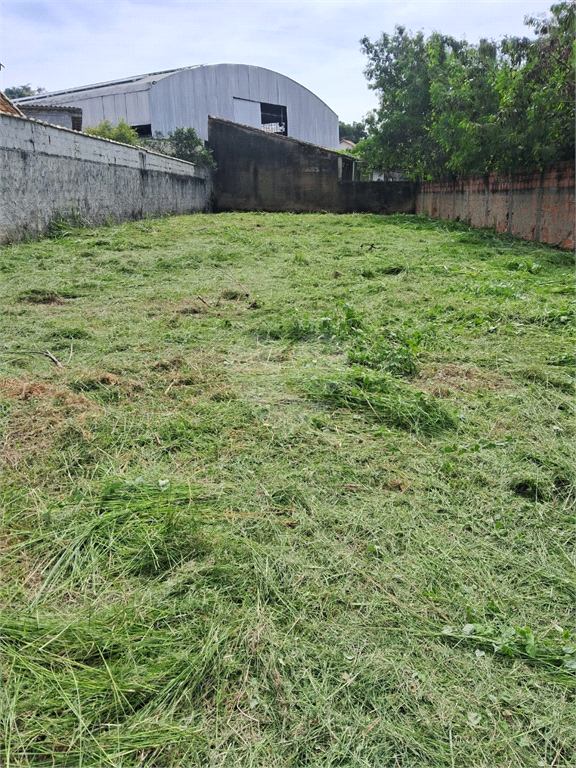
52	174
450	108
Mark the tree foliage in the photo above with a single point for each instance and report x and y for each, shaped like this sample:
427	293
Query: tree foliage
183	143
537	88
121	132
352	131
451	107
398	130
19	91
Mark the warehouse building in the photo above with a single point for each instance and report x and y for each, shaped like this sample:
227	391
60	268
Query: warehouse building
182	98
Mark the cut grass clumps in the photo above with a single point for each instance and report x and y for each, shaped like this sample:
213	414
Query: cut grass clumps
393	351
295	326
226	541
136	528
531	486
385	399
558	659
94	704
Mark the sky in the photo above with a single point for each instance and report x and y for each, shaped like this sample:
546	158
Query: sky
66	43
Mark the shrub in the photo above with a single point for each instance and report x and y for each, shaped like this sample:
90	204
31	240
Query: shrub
121	132
183	143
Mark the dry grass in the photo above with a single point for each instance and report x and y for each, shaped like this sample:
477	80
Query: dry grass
442	380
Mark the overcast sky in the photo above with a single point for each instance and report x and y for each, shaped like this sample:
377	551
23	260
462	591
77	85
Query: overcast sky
65	43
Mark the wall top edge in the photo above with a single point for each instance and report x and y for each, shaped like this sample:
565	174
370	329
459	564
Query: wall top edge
87	136
259	132
527	173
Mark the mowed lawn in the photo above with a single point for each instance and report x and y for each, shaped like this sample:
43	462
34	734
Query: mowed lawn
300	494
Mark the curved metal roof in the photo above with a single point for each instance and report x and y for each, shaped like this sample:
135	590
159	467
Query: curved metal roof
148	79
164	100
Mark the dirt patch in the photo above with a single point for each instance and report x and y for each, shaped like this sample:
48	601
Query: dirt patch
40	296
23	389
443	380
41	411
202	372
172	364
195	307
230	294
102	381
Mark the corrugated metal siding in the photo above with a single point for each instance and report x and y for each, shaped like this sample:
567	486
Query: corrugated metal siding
247	112
187	97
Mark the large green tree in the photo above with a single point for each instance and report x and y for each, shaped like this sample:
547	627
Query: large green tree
536	88
448	107
19	91
464	104
399	129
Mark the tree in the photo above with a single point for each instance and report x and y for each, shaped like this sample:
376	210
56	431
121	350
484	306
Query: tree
121	132
189	146
448	107
183	143
399	129
19	91
465	104
352	131
536	88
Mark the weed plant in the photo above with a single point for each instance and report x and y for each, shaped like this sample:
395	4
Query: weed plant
301	494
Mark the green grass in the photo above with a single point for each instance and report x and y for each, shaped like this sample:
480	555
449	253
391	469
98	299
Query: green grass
301	494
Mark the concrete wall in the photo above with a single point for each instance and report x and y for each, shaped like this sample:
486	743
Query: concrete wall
67	117
261	171
50	173
534	205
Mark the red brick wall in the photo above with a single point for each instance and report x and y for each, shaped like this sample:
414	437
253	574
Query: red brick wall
532	204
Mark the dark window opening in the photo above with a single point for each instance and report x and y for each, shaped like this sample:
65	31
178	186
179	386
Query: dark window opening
274	119
76	122
144	131
347	169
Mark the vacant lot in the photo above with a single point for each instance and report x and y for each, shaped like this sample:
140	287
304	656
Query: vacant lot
301	494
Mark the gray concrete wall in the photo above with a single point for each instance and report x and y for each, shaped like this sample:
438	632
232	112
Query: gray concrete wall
261	171
535	205
54	115
51	173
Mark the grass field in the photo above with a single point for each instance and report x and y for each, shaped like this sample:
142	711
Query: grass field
300	494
